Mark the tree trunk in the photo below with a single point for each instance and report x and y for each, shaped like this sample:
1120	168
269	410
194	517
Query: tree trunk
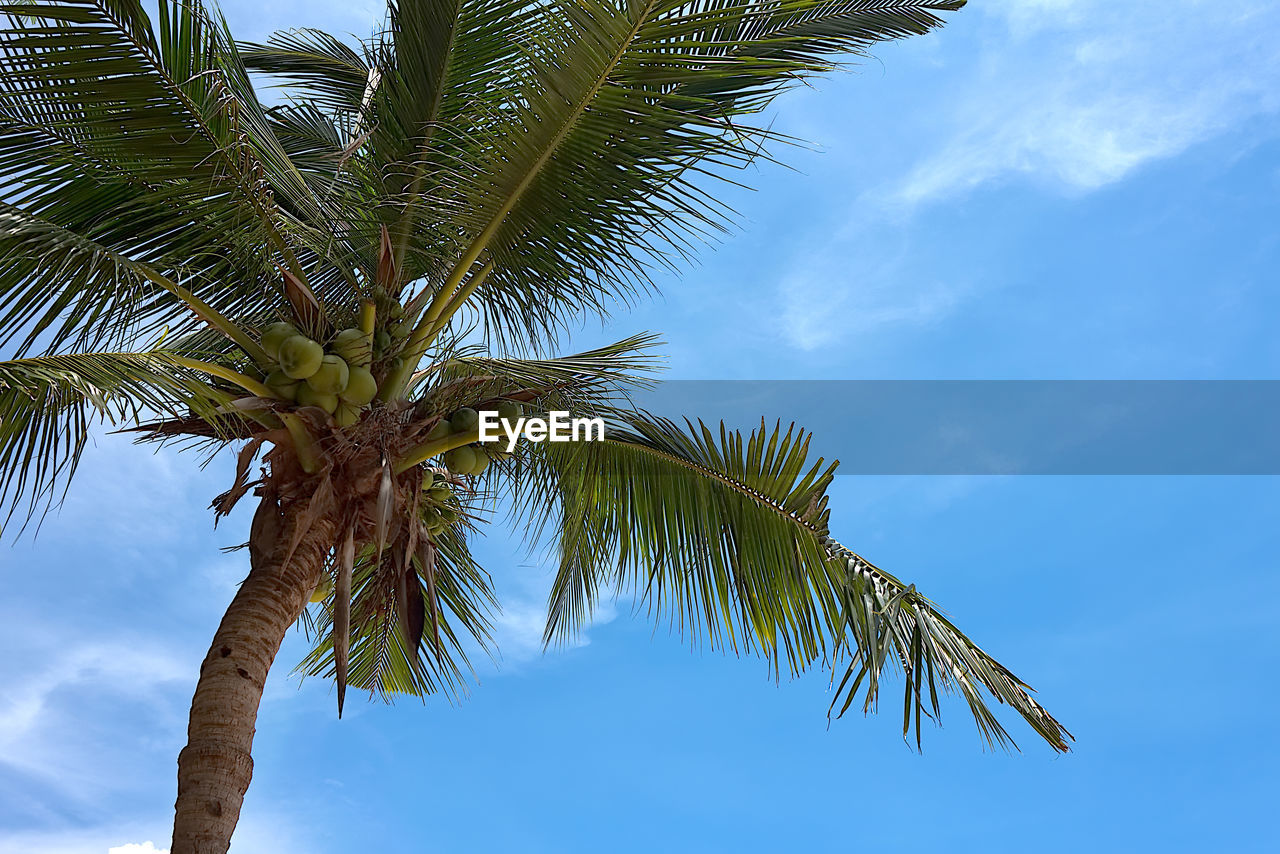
215	767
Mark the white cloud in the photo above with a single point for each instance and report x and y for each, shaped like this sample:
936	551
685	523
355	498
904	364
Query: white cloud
837	297
875	305
518	627
72	714
1079	93
135	848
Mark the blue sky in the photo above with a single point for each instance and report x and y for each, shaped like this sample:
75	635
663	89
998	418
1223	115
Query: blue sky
1046	189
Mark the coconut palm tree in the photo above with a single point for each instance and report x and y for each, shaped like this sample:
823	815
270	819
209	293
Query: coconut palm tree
335	285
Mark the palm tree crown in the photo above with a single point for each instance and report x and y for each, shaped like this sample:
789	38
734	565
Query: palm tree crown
333	284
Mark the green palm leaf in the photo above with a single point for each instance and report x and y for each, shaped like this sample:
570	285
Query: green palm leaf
610	122
316	67
49	404
729	536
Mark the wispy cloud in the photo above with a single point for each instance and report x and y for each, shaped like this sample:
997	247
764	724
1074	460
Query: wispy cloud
132	678
519	626
864	301
1079	93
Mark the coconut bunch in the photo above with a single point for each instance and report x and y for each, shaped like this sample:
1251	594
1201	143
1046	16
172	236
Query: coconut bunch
474	457
397	563
335	377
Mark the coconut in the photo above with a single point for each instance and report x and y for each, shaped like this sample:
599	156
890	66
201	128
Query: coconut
381	342
332	376
496	450
509	410
461	460
482	463
448	515
282	384
440	494
323	589
300	357
465	420
347	413
361	387
275	335
307	396
354	346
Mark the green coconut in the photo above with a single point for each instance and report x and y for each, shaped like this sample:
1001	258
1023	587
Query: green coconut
509	410
440	493
323	589
448	515
300	357
307	396
381	342
461	460
275	335
354	346
437	526
439	431
482	463
465	420
347	413
361	387
282	384
331	377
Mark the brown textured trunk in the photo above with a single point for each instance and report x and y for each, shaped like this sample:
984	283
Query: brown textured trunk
215	767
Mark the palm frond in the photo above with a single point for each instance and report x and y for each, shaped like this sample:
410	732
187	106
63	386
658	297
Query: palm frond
602	372
594	165
149	140
729	536
317	68
892	625
704	527
49	404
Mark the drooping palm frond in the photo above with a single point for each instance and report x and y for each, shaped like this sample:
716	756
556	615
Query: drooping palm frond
890	624
704	527
729	535
49	404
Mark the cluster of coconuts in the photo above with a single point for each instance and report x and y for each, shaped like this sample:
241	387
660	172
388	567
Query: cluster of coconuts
474	458
337	381
443	510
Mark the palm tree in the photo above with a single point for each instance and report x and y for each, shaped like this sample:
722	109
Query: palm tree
337	284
